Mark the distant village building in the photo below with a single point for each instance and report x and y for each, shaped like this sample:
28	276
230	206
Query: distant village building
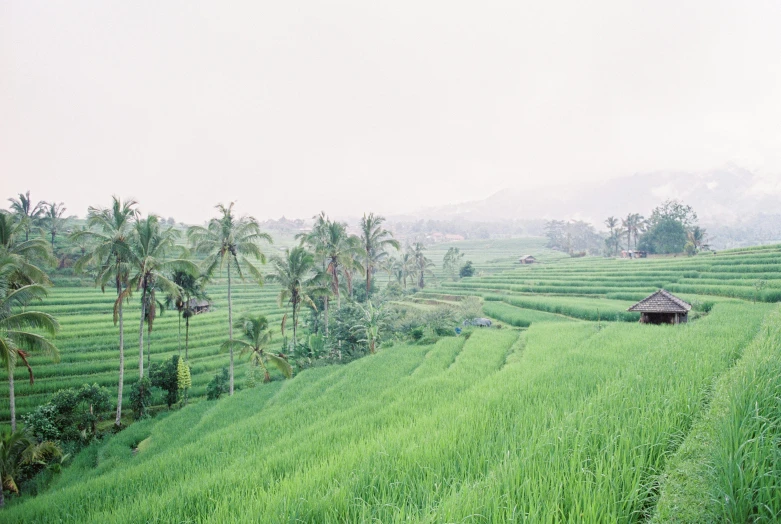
527	259
436	236
199	306
662	307
634	254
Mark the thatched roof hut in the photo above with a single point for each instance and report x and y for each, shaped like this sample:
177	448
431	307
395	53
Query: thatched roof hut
199	306
527	259
662	307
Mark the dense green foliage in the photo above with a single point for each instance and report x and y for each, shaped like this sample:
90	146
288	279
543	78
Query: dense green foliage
71	416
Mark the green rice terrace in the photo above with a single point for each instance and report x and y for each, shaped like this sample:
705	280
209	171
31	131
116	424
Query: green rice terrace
565	409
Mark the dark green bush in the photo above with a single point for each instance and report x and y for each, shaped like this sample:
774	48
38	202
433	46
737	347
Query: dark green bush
141	398
218	386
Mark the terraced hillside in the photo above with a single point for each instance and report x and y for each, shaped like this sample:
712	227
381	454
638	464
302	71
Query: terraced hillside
89	339
565	421
603	288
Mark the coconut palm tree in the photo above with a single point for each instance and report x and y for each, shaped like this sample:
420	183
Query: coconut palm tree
612	223
352	263
150	244
51	218
374	242
633	225
108	254
295	272
339	252
233	242
256	338
26	254
18	450
423	264
319	239
389	266
27	212
698	237
16	337
405	267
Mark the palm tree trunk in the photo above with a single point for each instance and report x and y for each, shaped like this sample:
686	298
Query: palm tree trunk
326	315
12	398
335	284
295	325
179	340
368	275
230	329
118	421
141	337
186	337
149	349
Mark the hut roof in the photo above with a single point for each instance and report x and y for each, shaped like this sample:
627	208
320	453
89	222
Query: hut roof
194	302
661	302
524	257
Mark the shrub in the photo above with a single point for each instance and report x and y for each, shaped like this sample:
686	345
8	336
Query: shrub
141	398
467	270
164	376
218	386
70	416
703	306
442	319
470	307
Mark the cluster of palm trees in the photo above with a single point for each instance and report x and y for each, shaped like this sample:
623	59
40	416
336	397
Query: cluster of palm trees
44	216
412	265
629	228
128	254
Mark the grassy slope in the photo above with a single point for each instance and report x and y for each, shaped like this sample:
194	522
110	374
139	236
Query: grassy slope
729	467
559	422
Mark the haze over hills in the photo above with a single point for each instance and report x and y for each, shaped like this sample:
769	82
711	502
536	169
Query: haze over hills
725	195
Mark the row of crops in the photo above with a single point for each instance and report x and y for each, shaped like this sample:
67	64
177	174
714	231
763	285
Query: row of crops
88	341
563	421
603	288
587	289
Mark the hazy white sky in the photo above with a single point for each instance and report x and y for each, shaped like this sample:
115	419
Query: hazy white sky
293	107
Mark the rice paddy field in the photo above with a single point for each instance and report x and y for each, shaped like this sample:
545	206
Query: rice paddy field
572	411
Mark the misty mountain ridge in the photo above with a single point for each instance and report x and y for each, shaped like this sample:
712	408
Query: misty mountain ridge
727	195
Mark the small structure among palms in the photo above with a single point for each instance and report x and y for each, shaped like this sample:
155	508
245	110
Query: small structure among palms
662	307
256	338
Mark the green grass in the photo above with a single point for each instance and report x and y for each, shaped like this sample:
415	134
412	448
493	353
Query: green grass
561	422
566	420
729	467
519	317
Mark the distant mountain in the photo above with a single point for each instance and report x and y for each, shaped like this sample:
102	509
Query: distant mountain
727	195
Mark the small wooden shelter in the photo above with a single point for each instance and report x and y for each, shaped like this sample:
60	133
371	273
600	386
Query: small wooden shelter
662	307
479	322
527	259
199	306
